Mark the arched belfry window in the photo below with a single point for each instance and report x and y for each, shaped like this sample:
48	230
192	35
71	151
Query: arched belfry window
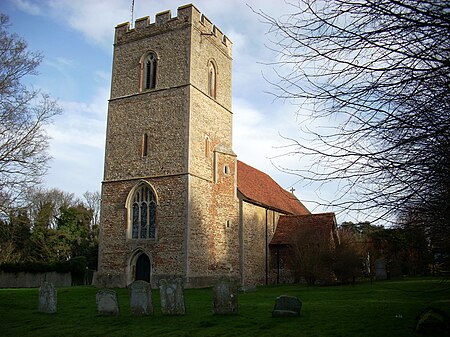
143	212
212	79
148	71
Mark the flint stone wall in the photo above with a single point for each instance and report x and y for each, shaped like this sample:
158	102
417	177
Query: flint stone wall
31	280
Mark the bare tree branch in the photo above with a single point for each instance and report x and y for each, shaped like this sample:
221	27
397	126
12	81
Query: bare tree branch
24	113
378	72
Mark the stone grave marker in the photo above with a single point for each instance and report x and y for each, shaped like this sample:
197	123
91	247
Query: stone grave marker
225	299
380	269
107	302
287	306
47	298
172	297
140	298
433	321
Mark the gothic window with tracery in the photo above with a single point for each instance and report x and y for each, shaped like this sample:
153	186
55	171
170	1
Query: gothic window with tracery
148	65
143	213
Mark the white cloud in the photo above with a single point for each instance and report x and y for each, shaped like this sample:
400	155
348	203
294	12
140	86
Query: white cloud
61	64
94	19
28	7
77	144
258	138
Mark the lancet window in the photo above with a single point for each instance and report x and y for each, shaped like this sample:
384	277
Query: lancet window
212	80
149	66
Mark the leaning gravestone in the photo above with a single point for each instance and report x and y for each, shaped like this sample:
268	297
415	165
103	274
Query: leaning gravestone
107	302
47	298
225	299
172	297
140	298
287	306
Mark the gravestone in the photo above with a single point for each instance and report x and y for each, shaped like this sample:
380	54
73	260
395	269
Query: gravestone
47	298
433	321
225	299
287	306
172	297
107	302
380	269
141	298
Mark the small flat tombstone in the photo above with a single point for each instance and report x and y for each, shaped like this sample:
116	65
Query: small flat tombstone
225	299
287	306
248	289
172	297
47	298
141	298
107	302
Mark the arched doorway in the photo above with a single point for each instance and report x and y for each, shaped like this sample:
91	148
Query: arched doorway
142	268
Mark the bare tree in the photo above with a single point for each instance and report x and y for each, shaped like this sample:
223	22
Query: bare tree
23	114
375	75
311	252
44	205
92	202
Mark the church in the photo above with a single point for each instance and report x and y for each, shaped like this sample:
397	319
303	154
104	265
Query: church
176	201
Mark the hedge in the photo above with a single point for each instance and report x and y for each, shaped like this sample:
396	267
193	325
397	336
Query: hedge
76	266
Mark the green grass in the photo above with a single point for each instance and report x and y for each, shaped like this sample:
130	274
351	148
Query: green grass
384	309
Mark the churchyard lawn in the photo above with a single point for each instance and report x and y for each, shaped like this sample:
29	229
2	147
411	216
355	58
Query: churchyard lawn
386	308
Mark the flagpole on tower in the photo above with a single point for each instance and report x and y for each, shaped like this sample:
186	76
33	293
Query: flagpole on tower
132	13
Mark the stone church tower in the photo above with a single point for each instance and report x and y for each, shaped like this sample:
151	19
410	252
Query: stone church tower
169	203
175	201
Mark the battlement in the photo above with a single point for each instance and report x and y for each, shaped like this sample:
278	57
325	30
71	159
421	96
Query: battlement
164	20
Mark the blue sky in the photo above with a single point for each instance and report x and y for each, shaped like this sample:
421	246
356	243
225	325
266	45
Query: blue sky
75	38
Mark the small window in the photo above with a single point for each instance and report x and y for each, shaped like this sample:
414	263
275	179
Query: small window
228	224
148	71
207	146
226	169
144	145
212	80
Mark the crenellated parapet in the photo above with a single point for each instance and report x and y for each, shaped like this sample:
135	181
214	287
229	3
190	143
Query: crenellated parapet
186	15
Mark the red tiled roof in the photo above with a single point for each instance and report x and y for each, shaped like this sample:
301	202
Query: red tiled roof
288	226
259	188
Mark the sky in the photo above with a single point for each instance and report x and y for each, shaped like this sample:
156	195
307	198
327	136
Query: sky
76	36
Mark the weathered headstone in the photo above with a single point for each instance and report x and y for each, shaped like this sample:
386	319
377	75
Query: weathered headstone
140	298
287	306
107	302
380	269
225	299
172	297
433	321
47	298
